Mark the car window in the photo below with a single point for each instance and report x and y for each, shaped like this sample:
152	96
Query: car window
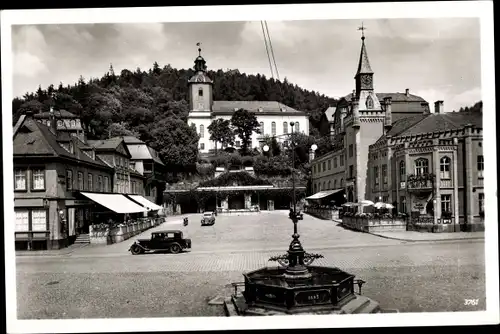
170	235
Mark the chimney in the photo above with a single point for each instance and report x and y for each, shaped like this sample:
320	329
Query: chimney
438	107
407	92
425	107
388	113
53	122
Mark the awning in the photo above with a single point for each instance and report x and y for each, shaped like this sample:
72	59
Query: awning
145	202
115	202
325	193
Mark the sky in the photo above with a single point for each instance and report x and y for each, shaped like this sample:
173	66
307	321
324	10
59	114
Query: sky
437	59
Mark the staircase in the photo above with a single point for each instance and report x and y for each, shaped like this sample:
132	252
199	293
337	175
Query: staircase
82	239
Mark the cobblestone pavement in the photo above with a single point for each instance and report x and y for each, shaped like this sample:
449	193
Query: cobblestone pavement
107	281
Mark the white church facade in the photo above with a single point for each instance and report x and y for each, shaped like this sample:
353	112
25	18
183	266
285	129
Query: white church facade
274	117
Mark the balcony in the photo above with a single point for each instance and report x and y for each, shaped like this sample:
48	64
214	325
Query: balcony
421	182
446	183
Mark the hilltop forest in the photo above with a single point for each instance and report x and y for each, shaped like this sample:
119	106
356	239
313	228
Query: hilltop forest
153	105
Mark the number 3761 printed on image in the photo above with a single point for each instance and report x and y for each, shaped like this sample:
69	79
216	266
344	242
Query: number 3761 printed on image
471	302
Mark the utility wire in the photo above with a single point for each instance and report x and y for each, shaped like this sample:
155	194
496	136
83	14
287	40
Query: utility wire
267	49
266	38
272	51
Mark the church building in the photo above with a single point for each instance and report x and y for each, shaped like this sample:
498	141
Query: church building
274	117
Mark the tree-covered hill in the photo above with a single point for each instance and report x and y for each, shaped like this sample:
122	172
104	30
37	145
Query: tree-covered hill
477	107
135	101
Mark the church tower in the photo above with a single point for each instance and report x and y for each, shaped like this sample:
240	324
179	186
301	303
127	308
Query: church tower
200	87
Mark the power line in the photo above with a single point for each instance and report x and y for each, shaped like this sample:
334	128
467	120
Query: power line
267	49
272	51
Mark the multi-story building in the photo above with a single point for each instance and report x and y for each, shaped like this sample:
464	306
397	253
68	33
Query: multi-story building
274	118
48	174
146	161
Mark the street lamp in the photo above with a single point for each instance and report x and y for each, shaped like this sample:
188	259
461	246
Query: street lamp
314	147
265	148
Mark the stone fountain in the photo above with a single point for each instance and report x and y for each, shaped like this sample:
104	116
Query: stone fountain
297	287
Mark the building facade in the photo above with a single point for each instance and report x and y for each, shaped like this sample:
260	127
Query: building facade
274	118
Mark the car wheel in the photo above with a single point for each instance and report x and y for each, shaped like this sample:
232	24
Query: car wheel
136	250
175	248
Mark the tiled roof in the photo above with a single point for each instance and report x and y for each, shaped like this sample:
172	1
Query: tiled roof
396	97
252	106
34	138
132	140
445	121
107	144
57	113
200	77
401	125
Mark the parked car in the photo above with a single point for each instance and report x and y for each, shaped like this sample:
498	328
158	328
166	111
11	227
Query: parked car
208	218
171	240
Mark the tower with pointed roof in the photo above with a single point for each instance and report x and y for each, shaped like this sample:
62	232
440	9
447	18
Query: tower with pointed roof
200	87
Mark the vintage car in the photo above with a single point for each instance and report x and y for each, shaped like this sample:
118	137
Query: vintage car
208	218
173	241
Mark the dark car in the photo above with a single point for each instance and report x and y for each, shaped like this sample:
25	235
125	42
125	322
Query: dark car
208	218
172	241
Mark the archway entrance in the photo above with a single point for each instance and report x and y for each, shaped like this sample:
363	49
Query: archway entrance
236	202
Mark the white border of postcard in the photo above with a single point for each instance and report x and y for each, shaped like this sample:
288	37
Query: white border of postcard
480	9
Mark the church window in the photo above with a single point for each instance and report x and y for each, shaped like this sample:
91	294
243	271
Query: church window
421	166
444	167
202	131
262	127
200	91
297	127
273	128
285	127
369	103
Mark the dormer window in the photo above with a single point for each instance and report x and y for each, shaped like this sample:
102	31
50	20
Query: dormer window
71	147
73	123
283	109
59	123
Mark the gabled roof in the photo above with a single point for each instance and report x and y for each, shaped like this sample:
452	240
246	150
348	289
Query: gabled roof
141	151
252	106
445	121
33	138
396	97
57	113
106	144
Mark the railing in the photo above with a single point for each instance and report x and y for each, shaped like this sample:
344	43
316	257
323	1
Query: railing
446	183
419	184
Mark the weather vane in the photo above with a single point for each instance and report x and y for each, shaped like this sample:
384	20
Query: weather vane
199	48
362	28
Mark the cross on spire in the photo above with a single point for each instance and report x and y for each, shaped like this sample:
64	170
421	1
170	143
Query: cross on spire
362	28
199	48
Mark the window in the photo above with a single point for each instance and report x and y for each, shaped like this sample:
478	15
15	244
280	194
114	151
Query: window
132	165
73	123
285	127
80	181
297	127
480	166
329	164
200	91
334	184
335	162
421	166
402	171
445	203
351	171
99	182
324	185
376	175
351	151
21	181
39	220
261	127
71	147
22	221
329	184
91	182
69	180
385	199
402	204
315	188
384	174
202	131
342	160
444	167
106	184
481	202
202	146
342	183
324	166
59	124
273	128
38	179
314	169
238	144
133	187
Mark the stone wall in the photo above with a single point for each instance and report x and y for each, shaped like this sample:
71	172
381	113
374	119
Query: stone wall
374	224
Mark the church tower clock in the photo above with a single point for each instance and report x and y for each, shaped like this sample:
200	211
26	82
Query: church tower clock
364	75
200	87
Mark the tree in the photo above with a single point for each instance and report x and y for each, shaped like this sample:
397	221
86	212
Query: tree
221	132
120	130
244	125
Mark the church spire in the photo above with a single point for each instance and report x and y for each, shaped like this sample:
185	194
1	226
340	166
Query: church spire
364	64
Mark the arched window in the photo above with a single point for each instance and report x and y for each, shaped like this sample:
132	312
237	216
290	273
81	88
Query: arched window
297	127
342	183
421	166
200	91
444	167
402	171
324	185
329	184
262	128
273	128
369	103
334	184
285	128
202	130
